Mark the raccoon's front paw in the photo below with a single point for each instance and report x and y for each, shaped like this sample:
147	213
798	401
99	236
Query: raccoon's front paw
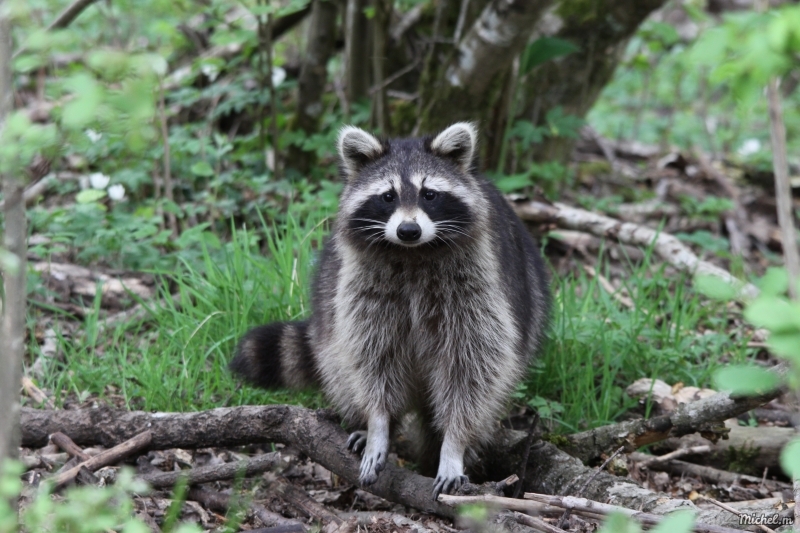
448	484
357	440
371	464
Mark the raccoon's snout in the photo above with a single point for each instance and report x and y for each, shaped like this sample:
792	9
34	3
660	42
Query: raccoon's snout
409	231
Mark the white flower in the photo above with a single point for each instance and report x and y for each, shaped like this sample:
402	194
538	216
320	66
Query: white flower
749	147
278	75
99	180
210	71
116	192
93	135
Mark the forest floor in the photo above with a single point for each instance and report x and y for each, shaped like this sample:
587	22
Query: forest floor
724	212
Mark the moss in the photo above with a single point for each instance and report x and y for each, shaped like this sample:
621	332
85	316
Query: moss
742	460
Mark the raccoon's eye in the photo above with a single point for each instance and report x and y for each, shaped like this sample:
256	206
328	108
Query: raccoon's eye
388	197
429	195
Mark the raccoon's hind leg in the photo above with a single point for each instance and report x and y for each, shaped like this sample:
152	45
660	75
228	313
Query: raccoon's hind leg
276	355
450	475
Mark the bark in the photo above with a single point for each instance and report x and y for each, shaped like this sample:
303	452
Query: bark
601	29
318	435
356	50
12	330
668	247
469	85
321	42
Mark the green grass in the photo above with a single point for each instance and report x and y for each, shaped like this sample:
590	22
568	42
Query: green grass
176	359
597	347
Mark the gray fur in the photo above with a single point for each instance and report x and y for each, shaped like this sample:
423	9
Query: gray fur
445	325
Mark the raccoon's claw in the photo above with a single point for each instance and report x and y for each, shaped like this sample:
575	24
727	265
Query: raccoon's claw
357	441
448	485
371	465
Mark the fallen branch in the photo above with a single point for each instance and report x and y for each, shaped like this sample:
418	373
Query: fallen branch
315	433
205	474
592	508
108	457
665	245
318	435
706	473
704	416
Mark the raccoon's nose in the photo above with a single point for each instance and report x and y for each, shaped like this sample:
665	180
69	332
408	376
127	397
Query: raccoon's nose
409	231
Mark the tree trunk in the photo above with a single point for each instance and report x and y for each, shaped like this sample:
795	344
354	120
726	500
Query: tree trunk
469	85
12	332
380	112
313	77
601	29
356	50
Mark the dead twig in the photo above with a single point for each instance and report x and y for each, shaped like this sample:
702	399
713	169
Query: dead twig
680	452
35	393
668	247
526	454
592	508
66	444
108	457
205	474
730	509
537	523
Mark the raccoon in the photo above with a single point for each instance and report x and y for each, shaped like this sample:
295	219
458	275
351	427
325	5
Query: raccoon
430	296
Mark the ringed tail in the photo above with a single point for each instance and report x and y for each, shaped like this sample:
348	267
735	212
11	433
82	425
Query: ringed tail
276	355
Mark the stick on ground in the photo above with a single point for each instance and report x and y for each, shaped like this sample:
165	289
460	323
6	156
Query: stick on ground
108	457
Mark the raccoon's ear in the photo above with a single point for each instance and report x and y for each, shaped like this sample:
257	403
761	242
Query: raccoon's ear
458	142
357	148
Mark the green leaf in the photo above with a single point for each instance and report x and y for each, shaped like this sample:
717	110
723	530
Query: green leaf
714	288
203	169
745	380
619	523
88	196
775	282
513	183
774	313
544	49
676	522
786	345
790	458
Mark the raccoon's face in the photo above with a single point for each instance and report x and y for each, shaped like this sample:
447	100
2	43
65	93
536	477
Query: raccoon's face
408	192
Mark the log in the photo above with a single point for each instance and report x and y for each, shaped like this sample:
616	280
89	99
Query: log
759	447
318	435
